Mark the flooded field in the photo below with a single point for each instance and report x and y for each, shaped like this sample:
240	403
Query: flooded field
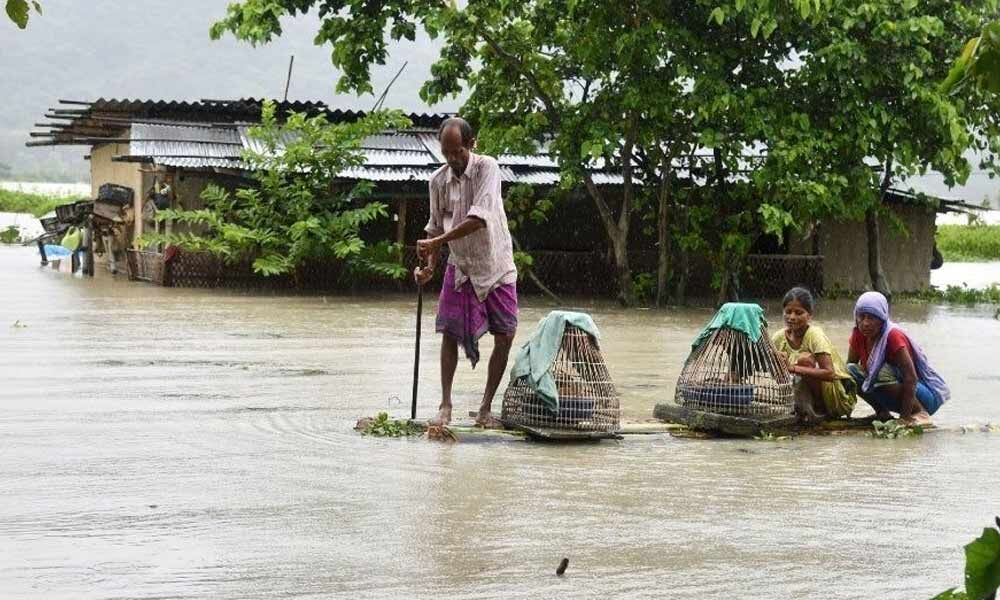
171	443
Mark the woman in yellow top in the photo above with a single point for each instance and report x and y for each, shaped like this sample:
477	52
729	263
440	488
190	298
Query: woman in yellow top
824	387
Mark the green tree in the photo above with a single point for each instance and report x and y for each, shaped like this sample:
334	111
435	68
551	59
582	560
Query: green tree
979	63
822	89
301	208
18	11
863	107
627	89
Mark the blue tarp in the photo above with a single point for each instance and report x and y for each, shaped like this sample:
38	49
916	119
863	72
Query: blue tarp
54	251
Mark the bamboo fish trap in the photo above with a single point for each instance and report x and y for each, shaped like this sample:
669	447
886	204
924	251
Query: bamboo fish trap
587	397
730	374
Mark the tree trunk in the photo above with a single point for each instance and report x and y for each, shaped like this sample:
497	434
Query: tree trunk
617	242
617	230
530	273
663	260
663	235
878	279
729	291
624	271
680	290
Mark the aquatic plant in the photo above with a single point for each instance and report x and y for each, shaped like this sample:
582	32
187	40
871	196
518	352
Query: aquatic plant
982	568
10	235
383	426
893	429
959	294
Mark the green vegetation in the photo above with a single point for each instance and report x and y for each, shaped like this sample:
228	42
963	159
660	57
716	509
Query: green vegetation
10	235
383	426
18	11
954	294
893	429
298	211
666	90
979	63
982	568
35	204
969	243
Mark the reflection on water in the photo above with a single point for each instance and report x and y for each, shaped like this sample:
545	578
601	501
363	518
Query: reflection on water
191	443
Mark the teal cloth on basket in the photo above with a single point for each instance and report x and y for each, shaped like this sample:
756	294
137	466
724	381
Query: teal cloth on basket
734	315
537	355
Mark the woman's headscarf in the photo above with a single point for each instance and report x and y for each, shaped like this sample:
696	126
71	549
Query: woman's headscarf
875	304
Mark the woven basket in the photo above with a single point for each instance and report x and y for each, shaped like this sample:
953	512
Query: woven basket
730	374
587	397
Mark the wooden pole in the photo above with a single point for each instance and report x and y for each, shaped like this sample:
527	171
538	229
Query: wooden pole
288	80
416	351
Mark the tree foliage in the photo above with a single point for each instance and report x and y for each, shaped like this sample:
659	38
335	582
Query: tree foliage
863	108
18	11
727	118
300	208
979	63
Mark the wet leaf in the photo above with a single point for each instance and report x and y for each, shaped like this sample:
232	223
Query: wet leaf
17	10
982	565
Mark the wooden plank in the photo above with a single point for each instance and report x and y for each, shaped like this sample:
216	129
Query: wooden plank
650	428
550	434
469	432
705	421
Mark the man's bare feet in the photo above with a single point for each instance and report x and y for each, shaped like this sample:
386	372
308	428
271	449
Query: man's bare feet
486	420
442	418
921	418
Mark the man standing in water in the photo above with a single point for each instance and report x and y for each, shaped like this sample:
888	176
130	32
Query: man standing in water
479	291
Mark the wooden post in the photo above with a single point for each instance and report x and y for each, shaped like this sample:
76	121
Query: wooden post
401	223
88	268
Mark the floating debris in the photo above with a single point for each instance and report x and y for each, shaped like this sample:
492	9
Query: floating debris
383	426
562	567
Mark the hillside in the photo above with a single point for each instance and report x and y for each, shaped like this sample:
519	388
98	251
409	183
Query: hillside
161	49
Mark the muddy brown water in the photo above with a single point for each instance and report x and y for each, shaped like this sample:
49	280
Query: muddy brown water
170	443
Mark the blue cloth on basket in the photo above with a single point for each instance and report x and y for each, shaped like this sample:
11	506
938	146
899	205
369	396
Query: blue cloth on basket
536	356
747	318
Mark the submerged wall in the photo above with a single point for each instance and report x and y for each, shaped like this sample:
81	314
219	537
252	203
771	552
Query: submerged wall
906	256
104	170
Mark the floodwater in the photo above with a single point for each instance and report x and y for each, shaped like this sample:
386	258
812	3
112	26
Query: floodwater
977	275
170	443
28	226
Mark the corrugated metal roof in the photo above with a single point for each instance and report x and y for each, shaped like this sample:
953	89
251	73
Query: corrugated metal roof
199	163
183	140
540	177
431	143
393	156
521	160
390	149
255	145
394	141
388	173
